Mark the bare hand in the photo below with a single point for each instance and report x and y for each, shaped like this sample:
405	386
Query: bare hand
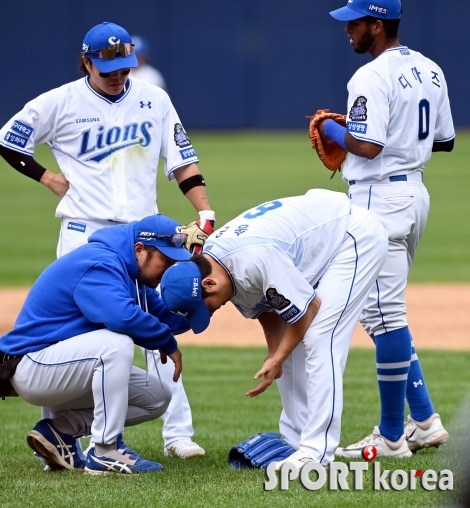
177	359
269	370
279	372
58	184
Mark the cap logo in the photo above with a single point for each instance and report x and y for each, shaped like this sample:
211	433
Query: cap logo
112	40
85	47
377	9
194	292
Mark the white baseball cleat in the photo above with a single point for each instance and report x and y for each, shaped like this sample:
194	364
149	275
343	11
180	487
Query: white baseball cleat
385	448
298	459
425	434
183	448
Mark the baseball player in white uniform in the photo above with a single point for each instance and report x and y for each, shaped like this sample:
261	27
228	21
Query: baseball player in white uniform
108	132
398	114
303	266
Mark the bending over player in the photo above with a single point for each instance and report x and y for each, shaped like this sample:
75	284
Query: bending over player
303	266
75	338
398	114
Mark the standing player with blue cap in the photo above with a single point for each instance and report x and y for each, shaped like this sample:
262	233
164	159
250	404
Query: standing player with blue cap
108	132
398	114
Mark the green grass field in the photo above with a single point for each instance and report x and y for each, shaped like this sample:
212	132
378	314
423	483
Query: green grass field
243	169
216	380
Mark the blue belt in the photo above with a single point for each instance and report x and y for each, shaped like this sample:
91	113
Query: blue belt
397	178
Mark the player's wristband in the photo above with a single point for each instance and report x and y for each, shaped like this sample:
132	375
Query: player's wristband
192	181
336	132
207	215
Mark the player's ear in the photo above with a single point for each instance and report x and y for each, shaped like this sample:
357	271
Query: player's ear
139	248
208	284
87	63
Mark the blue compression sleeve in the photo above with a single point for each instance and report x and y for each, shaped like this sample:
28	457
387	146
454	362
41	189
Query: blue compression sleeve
336	132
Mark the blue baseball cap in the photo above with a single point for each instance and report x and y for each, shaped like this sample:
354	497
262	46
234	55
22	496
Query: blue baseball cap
164	234
141	46
101	37
355	9
182	293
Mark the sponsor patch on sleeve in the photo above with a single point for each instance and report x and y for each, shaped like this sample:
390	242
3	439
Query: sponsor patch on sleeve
276	300
360	128
188	153
290	313
22	129
14	139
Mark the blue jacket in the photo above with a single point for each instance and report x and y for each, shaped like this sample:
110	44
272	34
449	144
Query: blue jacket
91	288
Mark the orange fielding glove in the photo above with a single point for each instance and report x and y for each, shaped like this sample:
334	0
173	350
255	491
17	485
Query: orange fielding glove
331	154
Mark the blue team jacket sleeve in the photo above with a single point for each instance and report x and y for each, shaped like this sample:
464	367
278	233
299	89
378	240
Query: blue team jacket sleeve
103	296
178	324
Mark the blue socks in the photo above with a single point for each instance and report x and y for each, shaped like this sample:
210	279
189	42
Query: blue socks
421	407
393	356
399	374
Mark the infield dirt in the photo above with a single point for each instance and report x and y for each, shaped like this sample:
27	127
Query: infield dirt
438	314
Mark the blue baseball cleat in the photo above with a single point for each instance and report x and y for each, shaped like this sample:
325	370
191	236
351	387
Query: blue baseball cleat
56	449
122	460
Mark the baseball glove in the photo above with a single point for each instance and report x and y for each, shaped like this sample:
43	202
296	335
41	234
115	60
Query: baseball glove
331	154
259	450
198	232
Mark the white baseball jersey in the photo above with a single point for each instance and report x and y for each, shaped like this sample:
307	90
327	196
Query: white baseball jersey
275	253
398	101
108	151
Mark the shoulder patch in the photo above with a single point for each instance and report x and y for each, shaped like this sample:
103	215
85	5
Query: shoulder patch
358	111
181	138
275	300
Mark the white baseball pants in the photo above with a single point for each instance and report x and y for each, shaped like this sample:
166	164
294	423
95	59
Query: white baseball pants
177	420
311	386
403	209
90	380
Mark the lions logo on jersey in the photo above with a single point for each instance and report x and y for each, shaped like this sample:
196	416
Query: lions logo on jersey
358	111
276	301
181	138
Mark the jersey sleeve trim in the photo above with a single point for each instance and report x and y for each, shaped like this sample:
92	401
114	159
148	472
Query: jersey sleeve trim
300	315
368	140
17	149
445	139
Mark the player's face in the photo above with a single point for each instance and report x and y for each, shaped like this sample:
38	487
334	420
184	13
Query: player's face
112	85
152	266
218	292
360	35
